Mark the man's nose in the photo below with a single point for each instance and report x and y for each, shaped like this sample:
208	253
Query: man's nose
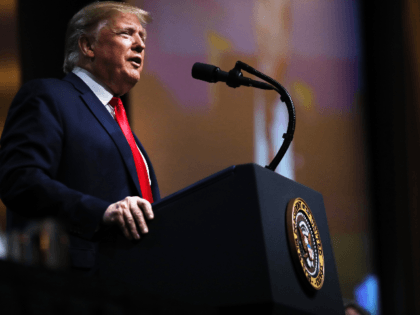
139	43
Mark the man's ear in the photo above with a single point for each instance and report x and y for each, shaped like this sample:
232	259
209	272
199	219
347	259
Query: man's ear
86	46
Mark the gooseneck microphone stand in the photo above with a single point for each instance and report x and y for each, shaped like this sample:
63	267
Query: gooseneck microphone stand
234	79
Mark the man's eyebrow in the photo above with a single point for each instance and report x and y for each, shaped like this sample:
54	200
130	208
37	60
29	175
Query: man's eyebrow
126	28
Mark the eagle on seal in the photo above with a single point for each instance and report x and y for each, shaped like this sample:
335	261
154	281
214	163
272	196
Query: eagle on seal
306	238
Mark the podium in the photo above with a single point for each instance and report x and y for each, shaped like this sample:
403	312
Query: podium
223	243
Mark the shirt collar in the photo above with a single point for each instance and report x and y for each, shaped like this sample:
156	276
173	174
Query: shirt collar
101	91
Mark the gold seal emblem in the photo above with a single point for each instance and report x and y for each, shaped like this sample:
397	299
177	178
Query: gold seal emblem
305	242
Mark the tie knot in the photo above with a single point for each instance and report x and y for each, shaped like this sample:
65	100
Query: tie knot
115	101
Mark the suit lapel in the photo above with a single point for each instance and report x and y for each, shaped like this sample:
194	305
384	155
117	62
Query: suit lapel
109	124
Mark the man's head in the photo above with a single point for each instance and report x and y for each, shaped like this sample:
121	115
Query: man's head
107	39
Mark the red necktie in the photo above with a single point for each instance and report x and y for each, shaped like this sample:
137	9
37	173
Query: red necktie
122	120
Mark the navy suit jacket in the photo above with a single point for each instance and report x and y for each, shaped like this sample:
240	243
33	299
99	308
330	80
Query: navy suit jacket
62	155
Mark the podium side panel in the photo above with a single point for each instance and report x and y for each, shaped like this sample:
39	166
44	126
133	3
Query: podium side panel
275	192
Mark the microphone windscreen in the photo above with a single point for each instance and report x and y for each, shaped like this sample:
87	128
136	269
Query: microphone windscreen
205	72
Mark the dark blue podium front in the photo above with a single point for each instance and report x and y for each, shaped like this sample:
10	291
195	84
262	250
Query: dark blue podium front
222	243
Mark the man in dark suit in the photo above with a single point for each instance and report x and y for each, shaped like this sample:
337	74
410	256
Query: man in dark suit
67	150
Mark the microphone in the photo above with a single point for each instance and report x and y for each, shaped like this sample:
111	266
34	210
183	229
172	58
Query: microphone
233	78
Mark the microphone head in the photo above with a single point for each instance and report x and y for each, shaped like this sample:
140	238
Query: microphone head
204	72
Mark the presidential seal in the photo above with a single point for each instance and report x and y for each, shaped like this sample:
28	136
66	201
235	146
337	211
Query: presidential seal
305	242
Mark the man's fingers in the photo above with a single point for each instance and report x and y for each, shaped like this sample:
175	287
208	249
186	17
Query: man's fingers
129	220
138	215
122	225
126	213
146	207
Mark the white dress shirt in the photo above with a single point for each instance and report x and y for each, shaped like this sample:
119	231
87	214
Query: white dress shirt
104	95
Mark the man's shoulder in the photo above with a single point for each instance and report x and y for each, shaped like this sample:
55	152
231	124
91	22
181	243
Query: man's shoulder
51	85
49	92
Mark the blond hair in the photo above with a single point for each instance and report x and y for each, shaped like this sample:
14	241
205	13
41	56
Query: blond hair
86	22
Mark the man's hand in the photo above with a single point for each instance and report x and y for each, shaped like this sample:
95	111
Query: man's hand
126	213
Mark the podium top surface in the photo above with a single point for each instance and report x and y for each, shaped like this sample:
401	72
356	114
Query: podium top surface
229	171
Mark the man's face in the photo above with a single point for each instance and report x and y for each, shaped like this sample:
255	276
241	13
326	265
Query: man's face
118	52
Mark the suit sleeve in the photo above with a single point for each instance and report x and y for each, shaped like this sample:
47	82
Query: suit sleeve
30	154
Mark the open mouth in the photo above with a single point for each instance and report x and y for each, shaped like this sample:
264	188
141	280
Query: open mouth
136	61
